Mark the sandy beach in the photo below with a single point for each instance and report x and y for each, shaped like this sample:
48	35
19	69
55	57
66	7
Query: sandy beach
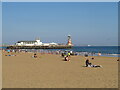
51	71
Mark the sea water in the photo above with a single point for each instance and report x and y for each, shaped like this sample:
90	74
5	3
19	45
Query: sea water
104	50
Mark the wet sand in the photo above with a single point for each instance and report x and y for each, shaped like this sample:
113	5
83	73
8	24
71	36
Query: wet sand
51	71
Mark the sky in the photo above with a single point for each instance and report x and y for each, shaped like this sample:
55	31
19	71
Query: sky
88	23
0	23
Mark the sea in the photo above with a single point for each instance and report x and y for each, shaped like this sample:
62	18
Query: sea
111	51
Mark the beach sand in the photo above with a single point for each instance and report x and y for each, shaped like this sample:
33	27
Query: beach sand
51	71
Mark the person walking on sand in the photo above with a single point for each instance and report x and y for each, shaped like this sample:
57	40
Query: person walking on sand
99	54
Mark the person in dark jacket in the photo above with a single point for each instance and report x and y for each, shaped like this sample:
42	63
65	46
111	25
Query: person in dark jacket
87	62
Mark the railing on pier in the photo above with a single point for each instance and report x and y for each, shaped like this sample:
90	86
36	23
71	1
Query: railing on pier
39	47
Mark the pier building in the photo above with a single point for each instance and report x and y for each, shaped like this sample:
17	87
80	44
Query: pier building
37	44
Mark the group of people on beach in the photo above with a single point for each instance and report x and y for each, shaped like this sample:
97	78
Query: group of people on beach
9	52
56	52
65	55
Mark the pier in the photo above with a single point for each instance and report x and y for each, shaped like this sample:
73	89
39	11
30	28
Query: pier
40	47
37	44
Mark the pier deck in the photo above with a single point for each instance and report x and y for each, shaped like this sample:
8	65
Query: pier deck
39	47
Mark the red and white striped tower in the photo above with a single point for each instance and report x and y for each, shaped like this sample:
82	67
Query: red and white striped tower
69	40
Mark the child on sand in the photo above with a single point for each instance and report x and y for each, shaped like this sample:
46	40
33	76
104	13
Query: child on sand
67	58
35	55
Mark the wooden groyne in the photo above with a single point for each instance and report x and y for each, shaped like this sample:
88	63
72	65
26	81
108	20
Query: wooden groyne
40	47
